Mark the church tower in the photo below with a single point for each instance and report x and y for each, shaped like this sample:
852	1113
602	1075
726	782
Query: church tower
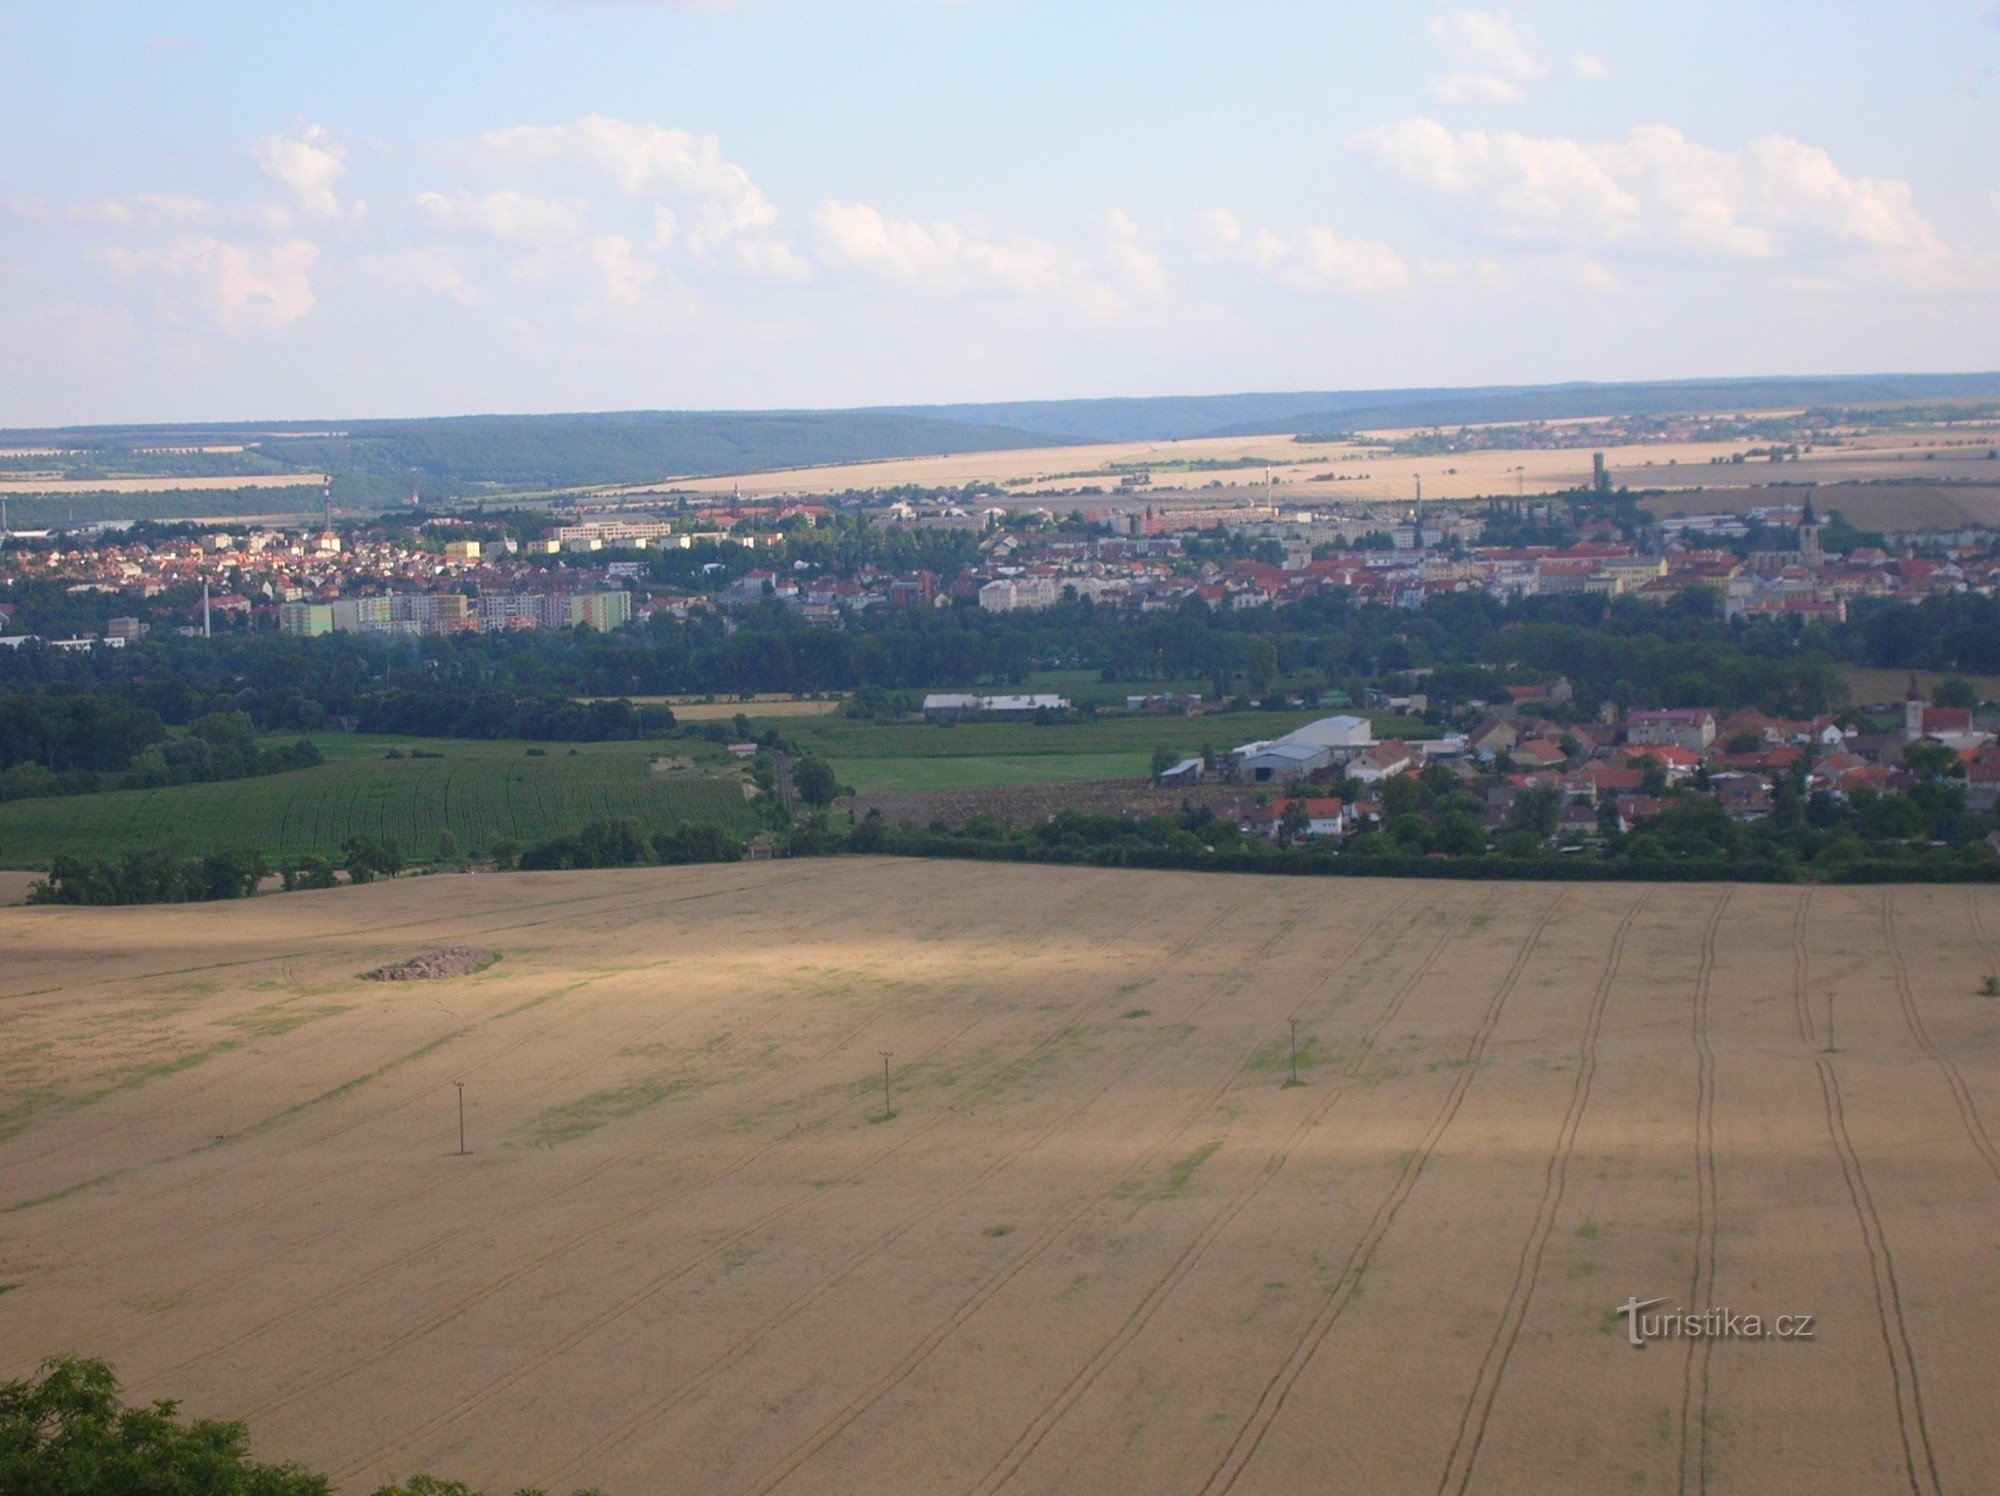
1809	528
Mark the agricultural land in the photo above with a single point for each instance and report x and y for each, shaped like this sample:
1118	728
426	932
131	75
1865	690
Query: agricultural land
1099	1240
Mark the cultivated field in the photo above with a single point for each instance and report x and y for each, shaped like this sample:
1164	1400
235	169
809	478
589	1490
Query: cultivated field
1303	471
477	792
1099	1246
1881	505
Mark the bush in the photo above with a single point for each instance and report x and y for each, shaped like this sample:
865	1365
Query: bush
600	844
697	843
66	1433
311	872
149	878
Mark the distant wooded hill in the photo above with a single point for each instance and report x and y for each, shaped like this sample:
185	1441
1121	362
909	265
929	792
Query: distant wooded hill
384	460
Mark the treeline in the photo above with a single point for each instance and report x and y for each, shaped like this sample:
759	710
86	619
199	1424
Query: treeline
153	877
1693	841
500	714
150	878
1461	646
80	744
607	844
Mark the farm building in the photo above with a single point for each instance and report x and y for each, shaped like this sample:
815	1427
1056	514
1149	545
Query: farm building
1264	763
939	705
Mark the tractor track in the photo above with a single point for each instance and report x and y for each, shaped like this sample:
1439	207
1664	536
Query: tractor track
1906	998
1527	1270
1920	1462
1051	1414
1693	1467
667	1275
1252	1431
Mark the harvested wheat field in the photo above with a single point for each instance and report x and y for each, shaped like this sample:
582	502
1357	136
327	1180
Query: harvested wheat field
1100	1244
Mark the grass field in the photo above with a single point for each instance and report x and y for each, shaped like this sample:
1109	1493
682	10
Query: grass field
478	792
879	758
1100	1245
1878	687
875	776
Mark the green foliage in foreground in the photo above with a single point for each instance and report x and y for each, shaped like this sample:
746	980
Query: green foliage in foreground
65	1432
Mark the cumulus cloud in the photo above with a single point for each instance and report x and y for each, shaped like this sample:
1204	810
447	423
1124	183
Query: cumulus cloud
1488	41
642	160
1316	259
1497	56
1475	88
942	259
240	288
137	209
516	216
305	166
1128	260
1650	187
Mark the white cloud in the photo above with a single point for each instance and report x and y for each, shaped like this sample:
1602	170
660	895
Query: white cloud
1497	57
1489	41
305	167
1474	88
643	160
1126	256
433	270
139	208
1651	188
516	216
942	259
1316	260
240	288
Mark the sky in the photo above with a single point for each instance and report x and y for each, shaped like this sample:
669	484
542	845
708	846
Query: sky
237	211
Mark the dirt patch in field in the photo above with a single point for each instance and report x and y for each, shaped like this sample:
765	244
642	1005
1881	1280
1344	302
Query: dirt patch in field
452	961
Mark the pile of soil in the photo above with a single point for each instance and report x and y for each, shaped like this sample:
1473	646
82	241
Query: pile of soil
452	961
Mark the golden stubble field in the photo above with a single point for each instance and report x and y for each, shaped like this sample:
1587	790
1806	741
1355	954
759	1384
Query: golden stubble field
1099	1246
1366	476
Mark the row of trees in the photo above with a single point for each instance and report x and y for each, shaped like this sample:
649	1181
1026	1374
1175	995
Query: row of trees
522	683
58	744
618	843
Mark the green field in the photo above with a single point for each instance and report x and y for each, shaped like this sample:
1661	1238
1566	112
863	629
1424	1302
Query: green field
879	776
881	758
479	792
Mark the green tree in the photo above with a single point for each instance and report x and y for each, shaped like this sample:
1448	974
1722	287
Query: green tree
65	1433
1293	822
1537	811
1932	760
1955	692
1458	835
814	780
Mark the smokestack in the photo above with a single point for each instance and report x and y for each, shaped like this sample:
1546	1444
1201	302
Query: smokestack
204	611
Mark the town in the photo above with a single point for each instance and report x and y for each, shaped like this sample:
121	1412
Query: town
462	572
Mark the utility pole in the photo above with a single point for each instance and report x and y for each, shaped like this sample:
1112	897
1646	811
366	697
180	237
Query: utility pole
887	1110
204	609
1295	1051
461	1117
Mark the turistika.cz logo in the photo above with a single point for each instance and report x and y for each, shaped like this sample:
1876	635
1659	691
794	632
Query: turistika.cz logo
1711	1324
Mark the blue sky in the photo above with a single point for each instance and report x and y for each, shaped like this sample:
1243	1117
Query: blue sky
212	211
